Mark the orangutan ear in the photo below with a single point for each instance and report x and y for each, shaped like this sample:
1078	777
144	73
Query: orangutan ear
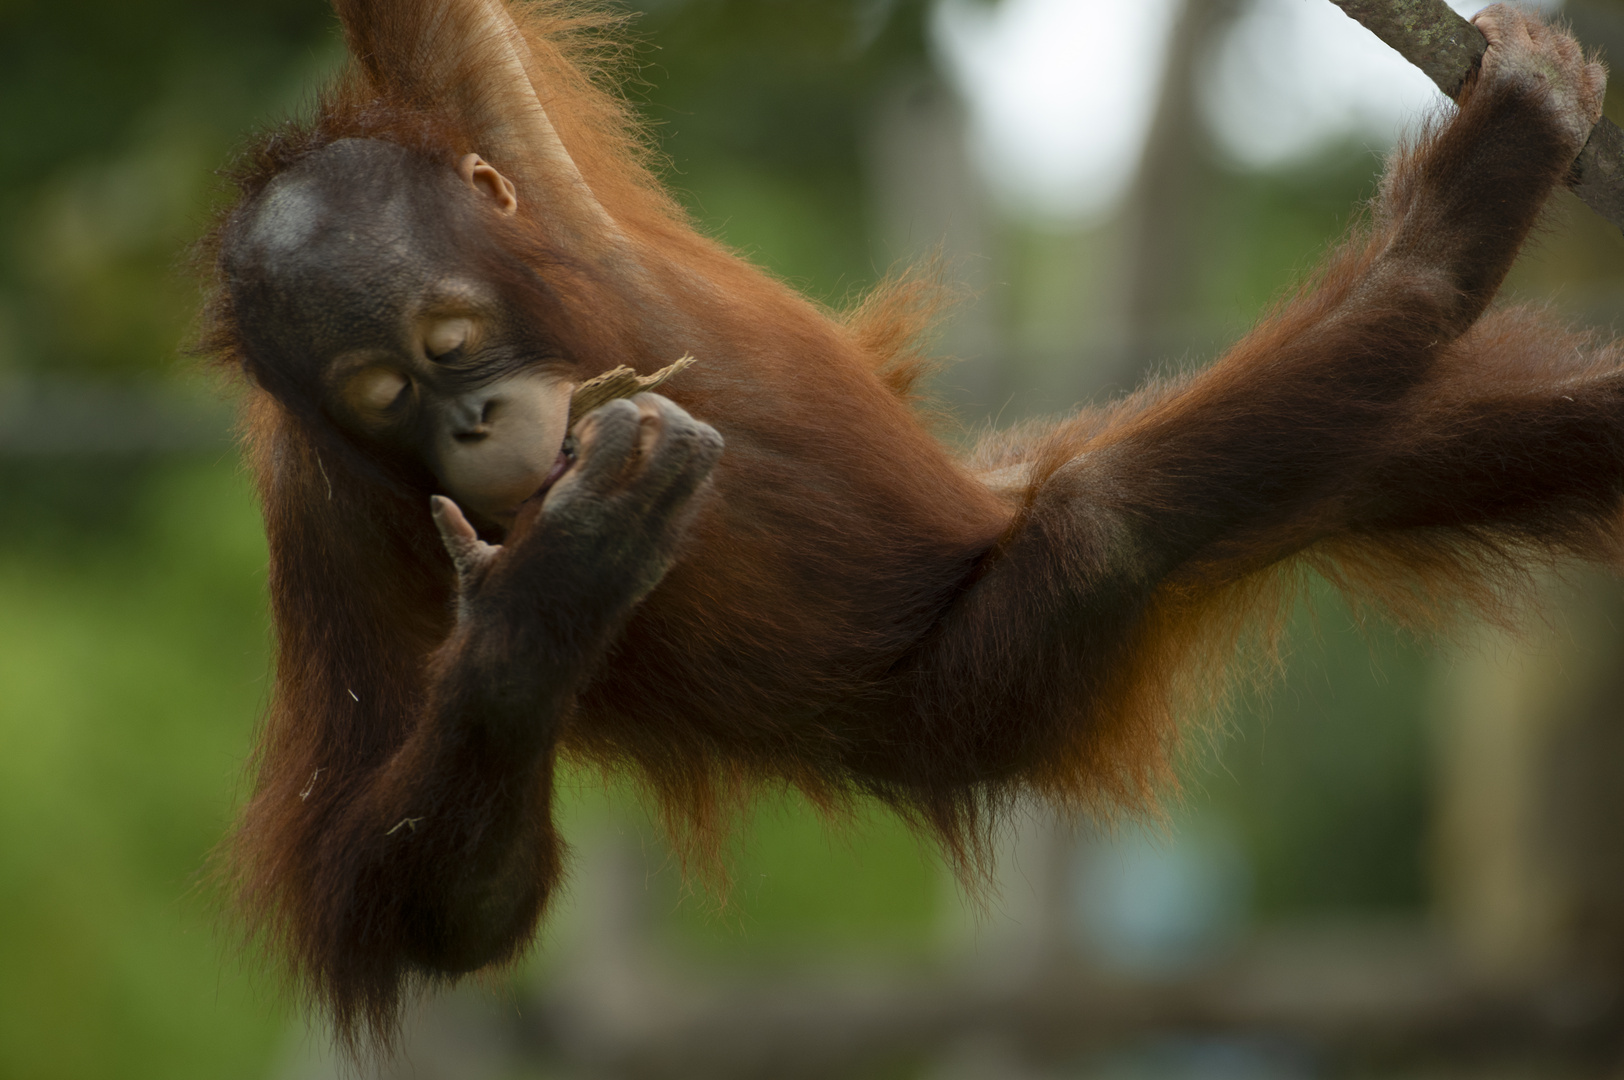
471	59
480	175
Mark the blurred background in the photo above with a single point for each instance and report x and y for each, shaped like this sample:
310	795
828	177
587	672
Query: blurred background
1400	860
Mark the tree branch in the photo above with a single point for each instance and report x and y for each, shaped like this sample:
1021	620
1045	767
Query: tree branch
1447	48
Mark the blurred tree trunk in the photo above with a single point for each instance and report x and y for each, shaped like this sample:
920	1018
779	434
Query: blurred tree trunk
1037	884
1162	220
929	206
1529	839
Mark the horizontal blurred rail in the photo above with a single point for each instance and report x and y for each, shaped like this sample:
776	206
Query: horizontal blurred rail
1430	35
50	419
1350	995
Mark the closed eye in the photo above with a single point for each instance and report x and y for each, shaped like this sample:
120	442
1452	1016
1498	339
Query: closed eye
444	339
376	392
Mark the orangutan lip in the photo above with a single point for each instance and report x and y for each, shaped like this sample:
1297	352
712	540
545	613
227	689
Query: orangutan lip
560	467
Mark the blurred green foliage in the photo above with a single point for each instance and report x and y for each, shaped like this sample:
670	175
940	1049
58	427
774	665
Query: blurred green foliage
133	635
132	662
1325	773
806	888
116	117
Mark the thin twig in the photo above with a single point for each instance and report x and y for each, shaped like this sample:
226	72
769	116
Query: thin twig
403	823
324	476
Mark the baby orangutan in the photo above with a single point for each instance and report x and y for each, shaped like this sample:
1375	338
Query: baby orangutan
417	281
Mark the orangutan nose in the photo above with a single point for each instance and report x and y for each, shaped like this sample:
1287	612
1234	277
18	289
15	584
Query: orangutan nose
471	416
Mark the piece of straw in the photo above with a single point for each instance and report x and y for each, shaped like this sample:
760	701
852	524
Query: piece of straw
618	383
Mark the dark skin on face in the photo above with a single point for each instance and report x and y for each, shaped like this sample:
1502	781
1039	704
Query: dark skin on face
491	444
414	351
